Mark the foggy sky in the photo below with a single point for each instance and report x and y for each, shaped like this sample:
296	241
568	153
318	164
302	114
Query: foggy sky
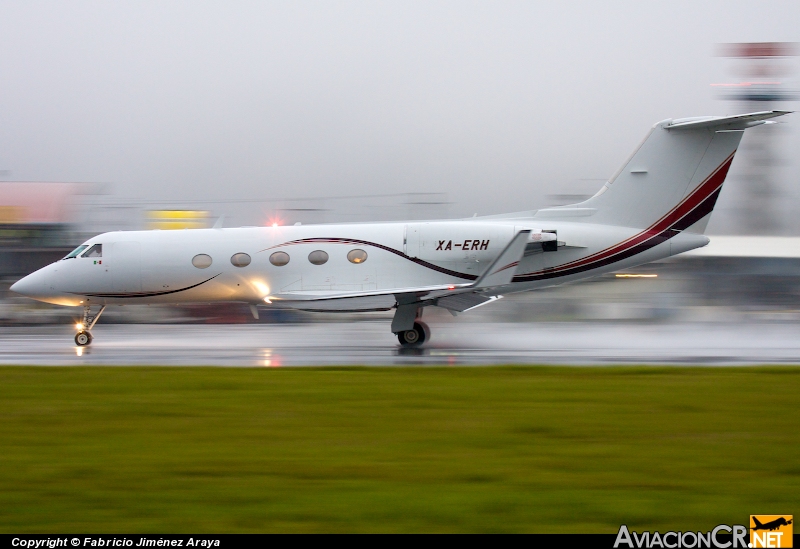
494	103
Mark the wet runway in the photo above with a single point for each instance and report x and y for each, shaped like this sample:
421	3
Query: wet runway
370	343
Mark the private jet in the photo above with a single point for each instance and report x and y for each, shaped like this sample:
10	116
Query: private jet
655	206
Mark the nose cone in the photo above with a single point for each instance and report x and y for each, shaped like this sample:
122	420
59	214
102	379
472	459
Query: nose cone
27	286
41	287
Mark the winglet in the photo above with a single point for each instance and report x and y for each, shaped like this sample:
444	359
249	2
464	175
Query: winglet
501	271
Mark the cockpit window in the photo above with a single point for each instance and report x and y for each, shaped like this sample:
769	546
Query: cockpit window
94	251
76	251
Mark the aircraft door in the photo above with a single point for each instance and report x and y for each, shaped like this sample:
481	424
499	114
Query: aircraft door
125	266
411	240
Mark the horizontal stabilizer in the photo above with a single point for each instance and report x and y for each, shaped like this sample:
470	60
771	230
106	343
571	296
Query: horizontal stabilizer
739	121
501	271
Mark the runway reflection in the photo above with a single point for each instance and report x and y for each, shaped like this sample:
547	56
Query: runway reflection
370	343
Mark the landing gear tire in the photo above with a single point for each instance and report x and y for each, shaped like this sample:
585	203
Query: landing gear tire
83	338
415	336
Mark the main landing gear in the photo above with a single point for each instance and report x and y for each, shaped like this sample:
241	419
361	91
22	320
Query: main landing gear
416	336
408	326
84	335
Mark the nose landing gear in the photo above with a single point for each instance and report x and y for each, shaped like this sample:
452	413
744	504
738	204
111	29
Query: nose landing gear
84	335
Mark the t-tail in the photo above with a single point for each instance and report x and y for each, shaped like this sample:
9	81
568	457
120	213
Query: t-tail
673	179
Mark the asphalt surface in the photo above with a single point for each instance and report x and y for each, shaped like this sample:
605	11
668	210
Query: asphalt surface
370	343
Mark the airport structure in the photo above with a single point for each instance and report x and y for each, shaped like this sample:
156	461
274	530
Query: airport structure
764	187
36	220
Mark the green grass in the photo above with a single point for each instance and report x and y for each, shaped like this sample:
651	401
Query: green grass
520	449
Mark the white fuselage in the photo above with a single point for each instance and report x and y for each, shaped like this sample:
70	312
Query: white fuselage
157	266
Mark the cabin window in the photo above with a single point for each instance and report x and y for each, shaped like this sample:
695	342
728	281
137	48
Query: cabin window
356	256
76	251
202	261
240	260
279	259
318	257
94	251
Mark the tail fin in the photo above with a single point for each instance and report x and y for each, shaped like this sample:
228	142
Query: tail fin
758	524
675	175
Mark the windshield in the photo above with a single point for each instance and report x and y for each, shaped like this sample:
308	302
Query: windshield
94	251
76	251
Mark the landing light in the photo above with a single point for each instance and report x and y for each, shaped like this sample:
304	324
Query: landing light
632	275
79	326
267	299
262	288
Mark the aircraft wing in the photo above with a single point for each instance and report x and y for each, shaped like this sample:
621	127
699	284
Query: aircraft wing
460	303
501	271
456	300
316	295
375	300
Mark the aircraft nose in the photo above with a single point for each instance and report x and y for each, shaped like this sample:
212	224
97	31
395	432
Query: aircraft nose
37	285
41	286
27	286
